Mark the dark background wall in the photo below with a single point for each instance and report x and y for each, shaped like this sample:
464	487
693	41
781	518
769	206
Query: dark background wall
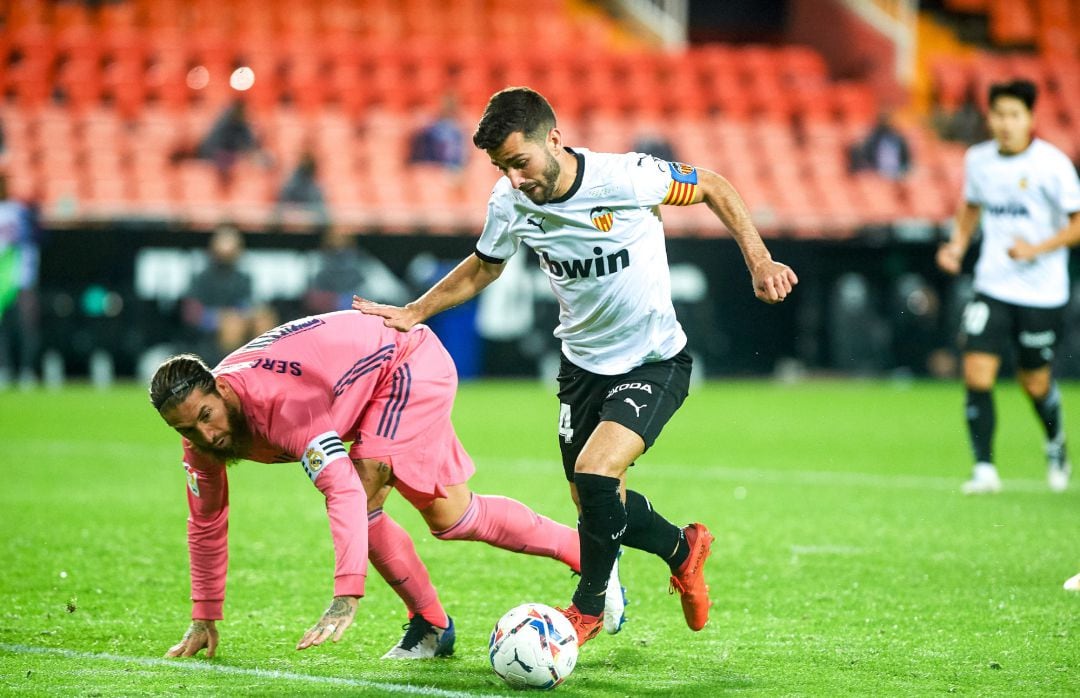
732	332
737	20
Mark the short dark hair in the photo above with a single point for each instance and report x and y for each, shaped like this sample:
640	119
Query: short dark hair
510	110
176	377
1023	90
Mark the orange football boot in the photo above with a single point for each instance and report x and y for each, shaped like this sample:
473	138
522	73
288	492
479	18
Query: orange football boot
689	579
586	627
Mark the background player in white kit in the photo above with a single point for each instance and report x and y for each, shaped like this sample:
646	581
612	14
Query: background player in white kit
1025	195
594	220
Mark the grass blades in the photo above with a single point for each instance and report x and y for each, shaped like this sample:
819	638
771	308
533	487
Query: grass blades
846	561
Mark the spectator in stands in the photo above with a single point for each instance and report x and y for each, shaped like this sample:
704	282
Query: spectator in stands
220	305
230	137
884	151
966	124
19	314
345	269
302	192
442	142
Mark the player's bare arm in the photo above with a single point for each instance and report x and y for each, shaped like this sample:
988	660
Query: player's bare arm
332	624
467	279
1069	236
951	254
200	634
772	280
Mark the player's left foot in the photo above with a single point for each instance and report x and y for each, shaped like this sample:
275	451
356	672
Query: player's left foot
1057	467
422	640
984	480
1073	583
585	627
689	579
615	600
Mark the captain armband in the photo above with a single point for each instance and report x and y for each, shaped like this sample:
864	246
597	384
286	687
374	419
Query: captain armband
322	449
684	184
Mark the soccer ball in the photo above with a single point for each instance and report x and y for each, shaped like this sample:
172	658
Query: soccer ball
533	646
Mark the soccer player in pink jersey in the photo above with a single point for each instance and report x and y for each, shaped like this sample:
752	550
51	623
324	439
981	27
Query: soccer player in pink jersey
300	392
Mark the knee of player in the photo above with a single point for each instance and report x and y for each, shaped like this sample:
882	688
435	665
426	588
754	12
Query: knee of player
600	465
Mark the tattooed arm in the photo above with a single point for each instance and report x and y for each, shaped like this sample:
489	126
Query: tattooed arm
332	624
200	634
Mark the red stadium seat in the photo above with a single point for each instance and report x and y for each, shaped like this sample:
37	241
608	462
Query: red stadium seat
1012	22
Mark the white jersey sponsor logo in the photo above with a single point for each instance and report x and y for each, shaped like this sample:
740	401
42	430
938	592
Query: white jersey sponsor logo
602	249
1028	196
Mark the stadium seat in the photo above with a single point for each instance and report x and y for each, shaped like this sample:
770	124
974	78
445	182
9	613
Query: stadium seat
925	198
108	196
1012	22
198	183
61	196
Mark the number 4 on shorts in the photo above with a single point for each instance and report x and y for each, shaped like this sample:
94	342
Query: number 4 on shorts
566	431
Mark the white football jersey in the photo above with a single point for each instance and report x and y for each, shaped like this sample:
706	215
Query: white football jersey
1028	195
601	246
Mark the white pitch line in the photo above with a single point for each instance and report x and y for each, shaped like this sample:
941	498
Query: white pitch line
202	665
741	476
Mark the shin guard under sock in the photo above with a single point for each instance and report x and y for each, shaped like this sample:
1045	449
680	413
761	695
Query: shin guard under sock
601	529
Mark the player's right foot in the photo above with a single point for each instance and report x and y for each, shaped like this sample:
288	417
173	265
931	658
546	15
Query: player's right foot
422	640
585	627
1057	466
614	600
1073	583
984	480
689	579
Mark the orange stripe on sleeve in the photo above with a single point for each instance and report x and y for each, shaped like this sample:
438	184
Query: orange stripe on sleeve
680	194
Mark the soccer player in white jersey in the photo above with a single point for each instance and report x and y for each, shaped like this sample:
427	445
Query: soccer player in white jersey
594	220
1024	194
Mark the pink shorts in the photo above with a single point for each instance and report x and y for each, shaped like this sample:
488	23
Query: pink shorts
407	425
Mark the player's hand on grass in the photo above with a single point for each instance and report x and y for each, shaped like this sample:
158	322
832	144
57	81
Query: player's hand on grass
332	624
398	318
949	257
773	281
1022	250
200	634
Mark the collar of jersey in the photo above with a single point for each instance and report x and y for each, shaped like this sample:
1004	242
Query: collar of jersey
577	180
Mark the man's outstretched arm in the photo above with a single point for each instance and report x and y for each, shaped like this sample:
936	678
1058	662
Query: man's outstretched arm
467	279
772	280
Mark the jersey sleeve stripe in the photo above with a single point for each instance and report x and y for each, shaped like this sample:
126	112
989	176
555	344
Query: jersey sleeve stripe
364	366
488	258
680	194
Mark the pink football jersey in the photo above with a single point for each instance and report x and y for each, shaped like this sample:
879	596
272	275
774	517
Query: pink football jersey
303	387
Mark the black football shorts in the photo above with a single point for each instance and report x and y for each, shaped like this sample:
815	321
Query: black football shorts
643	400
994	327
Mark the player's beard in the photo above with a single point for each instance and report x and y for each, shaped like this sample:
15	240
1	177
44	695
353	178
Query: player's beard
545	184
239	437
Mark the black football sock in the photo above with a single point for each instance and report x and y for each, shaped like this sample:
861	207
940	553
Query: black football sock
980	419
649	531
1049	411
601	530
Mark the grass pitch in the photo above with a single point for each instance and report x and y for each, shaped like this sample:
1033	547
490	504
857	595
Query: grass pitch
846	560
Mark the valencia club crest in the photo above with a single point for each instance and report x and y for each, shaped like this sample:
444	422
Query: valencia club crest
602	218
